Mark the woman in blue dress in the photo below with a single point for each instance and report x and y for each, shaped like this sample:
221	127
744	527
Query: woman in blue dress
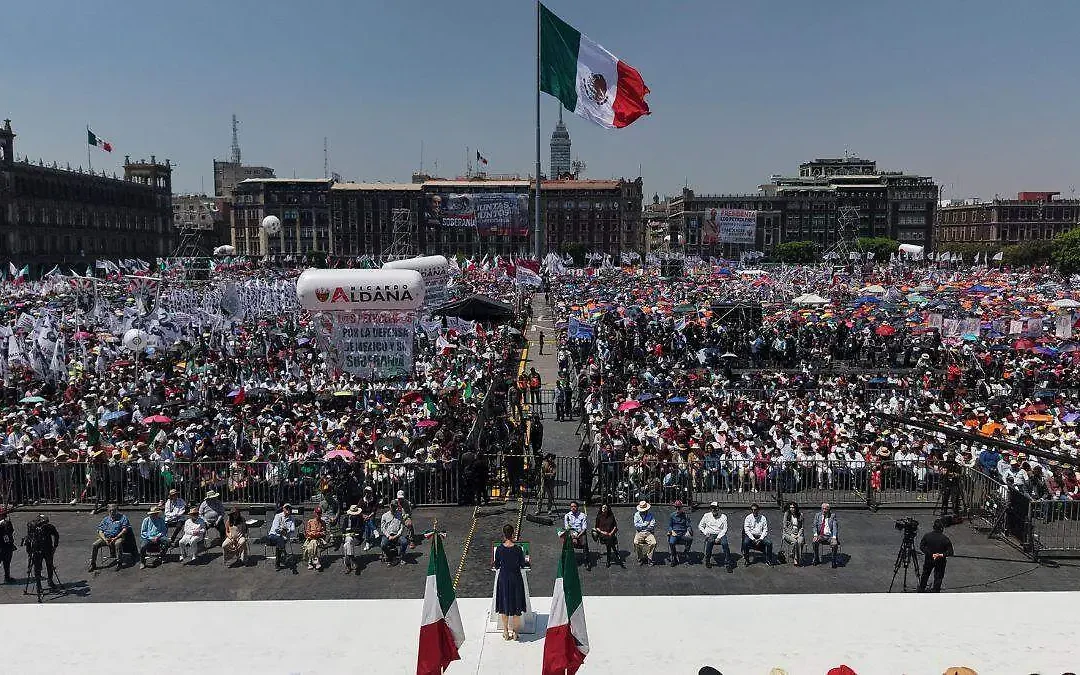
510	589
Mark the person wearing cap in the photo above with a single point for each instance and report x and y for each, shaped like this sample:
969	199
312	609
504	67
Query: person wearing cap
7	543
110	532
212	511
644	539
756	535
175	514
353	527
826	529
281	530
679	532
153	532
713	526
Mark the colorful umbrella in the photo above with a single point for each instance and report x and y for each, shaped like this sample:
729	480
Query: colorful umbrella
31	399
426	424
156	419
629	404
340	452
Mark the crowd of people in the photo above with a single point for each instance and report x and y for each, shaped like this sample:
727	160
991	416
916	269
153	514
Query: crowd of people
235	394
717	381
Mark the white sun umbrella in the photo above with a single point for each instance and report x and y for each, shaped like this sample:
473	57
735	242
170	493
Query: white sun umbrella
1065	303
876	289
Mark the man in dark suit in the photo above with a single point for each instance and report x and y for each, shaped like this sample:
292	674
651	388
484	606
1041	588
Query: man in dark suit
936	548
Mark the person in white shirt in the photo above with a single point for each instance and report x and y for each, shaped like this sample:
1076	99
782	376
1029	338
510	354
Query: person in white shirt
194	536
713	526
175	510
756	535
282	529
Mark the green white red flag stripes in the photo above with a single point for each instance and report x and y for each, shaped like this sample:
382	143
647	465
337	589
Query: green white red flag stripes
440	628
94	139
586	78
567	640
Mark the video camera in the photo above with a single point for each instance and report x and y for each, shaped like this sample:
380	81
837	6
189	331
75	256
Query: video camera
908	525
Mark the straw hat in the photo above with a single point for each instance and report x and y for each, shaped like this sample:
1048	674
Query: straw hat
354	510
643	506
213	494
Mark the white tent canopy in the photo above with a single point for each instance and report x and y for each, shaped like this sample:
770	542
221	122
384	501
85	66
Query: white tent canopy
911	249
810	299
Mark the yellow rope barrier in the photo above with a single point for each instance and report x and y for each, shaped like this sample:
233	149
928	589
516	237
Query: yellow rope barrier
466	544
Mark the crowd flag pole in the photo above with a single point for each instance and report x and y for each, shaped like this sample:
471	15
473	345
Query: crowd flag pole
537	233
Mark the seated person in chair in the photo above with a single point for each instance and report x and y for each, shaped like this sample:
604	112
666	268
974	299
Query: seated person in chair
406	508
679	532
827	530
576	525
212	511
756	535
111	532
314	539
644	539
154	534
194	537
393	535
235	543
175	515
605	531
281	530
713	526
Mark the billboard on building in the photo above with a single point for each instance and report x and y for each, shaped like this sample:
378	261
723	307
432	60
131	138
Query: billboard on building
491	213
728	226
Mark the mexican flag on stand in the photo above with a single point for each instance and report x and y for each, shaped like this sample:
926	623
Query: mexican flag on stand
440	627
566	641
588	79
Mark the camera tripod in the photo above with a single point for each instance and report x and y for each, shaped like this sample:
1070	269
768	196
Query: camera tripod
52	578
906	558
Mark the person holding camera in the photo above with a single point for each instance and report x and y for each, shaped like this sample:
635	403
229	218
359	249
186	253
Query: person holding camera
41	542
936	548
7	543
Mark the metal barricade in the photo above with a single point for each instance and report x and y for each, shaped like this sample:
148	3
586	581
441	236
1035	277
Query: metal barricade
630	482
905	483
1054	526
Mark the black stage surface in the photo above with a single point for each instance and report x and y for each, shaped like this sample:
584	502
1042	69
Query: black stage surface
870	544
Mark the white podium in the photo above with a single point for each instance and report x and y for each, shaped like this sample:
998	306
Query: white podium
528	618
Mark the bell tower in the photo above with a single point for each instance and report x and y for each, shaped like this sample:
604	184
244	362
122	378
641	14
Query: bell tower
7	143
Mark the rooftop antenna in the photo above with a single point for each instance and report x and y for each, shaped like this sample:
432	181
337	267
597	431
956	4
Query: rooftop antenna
421	155
325	159
235	140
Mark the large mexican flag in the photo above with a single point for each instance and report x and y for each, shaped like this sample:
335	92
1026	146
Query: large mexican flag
567	640
588	79
440	629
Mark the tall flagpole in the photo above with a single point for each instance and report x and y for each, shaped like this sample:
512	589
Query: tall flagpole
537	232
89	167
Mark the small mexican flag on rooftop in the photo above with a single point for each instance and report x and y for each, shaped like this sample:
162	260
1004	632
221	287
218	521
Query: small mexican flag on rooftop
440	628
588	79
100	142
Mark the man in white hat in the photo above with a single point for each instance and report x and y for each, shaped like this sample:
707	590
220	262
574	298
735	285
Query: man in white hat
644	539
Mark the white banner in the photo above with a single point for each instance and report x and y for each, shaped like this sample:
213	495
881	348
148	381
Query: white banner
729	226
377	345
1063	327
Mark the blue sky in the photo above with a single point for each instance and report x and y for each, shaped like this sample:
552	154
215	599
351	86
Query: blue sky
981	95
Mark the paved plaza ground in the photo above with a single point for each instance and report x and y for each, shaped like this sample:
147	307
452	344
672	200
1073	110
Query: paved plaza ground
870	545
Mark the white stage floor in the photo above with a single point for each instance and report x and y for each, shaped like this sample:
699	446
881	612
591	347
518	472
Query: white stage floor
993	633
